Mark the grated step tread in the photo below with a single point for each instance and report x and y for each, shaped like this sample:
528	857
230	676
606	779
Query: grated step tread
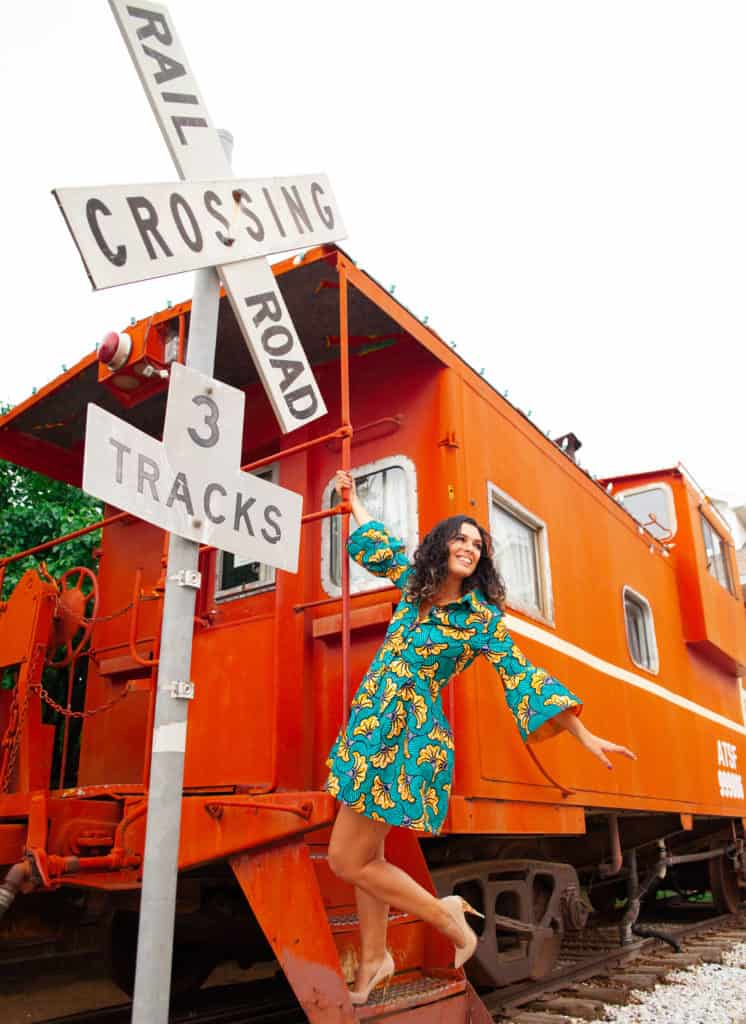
410	992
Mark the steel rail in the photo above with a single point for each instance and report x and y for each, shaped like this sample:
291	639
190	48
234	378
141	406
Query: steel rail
512	996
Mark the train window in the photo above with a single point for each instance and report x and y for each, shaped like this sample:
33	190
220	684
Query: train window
653	508
716	551
638	621
521	555
236	576
388	490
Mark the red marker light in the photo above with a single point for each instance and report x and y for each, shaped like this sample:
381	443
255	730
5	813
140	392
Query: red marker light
114	350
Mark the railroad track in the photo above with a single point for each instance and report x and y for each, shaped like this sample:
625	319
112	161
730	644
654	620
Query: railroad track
593	971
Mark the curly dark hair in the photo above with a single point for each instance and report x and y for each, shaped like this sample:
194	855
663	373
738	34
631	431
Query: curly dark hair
431	564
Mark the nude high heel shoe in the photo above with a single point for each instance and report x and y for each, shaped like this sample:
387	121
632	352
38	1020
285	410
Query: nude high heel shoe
384	973
457	907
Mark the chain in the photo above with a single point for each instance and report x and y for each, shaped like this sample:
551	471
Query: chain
12	738
68	713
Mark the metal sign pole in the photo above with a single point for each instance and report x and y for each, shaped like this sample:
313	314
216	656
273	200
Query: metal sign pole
158	901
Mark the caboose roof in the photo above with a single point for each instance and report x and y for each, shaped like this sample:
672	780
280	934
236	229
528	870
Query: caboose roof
46	432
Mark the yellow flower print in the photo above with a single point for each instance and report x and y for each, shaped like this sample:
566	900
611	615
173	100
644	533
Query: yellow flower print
430	800
373	534
398	720
420	825
400	668
375	816
389	692
495	657
332	784
343	749
481	612
362	700
462	661
395	642
447	789
511	681
430	649
359	557
501	630
457	634
359	804
434	687
420	710
523	712
403	787
441	735
397	572
382	555
380	793
434	755
367	727
384	757
518	655
428	671
359	770
370	683
560	700
537	681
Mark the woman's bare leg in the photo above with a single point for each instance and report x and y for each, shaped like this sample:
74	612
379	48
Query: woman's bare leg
353	856
373	916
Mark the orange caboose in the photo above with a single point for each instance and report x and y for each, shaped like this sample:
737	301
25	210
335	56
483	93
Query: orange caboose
624	589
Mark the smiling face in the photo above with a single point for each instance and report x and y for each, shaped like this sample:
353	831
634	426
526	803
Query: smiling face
464	551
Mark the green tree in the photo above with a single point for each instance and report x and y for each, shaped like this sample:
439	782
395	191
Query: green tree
35	509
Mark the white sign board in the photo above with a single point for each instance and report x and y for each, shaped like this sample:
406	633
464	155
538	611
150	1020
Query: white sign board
128	233
198	154
191	484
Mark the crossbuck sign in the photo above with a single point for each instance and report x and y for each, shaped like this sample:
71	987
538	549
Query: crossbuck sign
128	233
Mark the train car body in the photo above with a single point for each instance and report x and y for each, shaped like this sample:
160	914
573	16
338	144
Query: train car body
624	589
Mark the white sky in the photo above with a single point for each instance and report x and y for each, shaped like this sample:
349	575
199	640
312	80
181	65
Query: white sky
560	187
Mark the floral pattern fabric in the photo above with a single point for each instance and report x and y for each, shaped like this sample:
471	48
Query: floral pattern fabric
394	760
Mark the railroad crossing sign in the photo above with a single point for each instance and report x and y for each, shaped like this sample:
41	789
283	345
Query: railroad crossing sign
190	484
127	233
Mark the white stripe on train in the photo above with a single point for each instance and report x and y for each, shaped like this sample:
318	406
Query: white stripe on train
543	636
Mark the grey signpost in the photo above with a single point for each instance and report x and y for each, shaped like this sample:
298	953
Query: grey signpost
191	483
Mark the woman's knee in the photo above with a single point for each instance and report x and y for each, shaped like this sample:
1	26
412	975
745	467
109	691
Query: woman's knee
341	863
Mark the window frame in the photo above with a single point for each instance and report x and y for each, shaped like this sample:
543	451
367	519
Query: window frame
634	491
411	540
272	474
652	638
545	613
731	587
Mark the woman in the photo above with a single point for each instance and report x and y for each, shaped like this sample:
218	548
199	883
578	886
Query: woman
392	765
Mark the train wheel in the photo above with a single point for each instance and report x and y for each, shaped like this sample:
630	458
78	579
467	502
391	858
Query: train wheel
724	885
192	962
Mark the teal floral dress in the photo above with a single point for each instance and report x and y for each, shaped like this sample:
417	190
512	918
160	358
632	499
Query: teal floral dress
394	760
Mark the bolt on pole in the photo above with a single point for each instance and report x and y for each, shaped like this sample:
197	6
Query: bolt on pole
158	900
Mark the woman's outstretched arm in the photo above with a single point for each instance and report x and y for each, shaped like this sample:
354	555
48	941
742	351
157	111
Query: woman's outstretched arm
595	744
344	483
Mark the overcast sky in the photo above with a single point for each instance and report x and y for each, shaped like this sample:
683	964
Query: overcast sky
559	186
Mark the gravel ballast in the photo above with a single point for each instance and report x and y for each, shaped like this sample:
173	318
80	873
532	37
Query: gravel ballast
707	994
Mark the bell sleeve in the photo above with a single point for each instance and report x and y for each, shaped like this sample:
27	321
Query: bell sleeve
534	697
371	546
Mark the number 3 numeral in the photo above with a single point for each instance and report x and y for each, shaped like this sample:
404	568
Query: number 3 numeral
210	421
